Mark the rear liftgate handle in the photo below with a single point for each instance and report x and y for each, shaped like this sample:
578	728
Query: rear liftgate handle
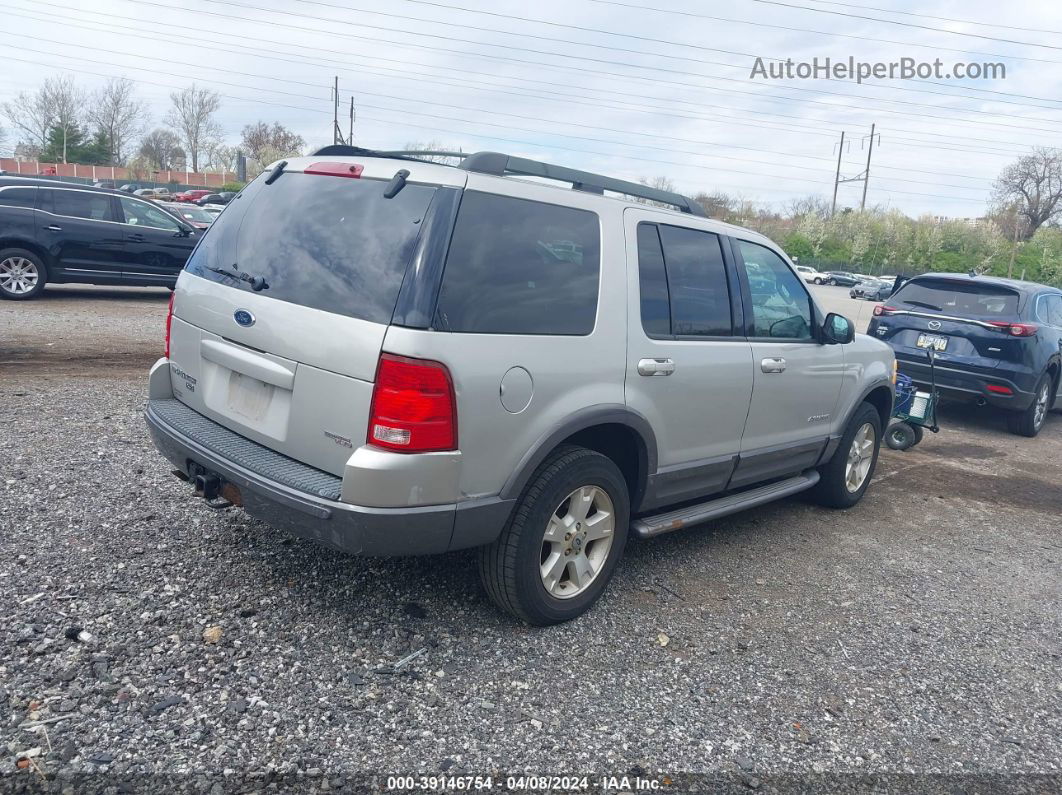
774	364
656	366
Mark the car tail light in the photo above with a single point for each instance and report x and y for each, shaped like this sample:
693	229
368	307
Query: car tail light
413	406
169	324
999	389
1016	329
881	309
331	169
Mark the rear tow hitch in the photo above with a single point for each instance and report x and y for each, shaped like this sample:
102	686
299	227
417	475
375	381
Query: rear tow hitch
209	488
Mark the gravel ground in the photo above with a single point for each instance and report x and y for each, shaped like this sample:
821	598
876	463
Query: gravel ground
147	634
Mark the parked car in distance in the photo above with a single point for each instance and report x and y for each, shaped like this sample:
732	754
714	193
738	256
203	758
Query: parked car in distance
434	357
995	341
60	232
108	184
129	187
843	278
196	216
216	198
871	289
810	275
213	209
191	195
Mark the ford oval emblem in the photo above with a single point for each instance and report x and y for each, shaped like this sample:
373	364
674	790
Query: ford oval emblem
934	325
243	318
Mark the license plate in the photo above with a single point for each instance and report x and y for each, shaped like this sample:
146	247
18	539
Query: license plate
933	341
249	397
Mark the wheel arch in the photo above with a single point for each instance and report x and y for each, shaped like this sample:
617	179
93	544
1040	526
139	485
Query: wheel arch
9	241
618	432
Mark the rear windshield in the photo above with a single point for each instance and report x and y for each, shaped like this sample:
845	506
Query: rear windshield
329	243
972	299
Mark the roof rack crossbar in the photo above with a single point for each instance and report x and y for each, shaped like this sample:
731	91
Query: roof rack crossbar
499	164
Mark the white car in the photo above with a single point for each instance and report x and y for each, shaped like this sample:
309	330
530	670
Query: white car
812	276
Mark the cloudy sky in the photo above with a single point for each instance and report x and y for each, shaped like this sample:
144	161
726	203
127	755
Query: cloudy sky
632	88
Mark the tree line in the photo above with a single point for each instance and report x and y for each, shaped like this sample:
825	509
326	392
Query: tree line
61	122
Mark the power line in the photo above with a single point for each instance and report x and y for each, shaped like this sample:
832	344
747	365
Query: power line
434	128
932	16
919	141
821	32
905	24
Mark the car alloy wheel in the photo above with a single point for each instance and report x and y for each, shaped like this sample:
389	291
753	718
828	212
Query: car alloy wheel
1043	400
18	275
577	541
860	457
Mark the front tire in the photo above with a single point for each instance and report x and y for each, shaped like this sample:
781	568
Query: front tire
22	274
845	478
563	540
1031	420
818	281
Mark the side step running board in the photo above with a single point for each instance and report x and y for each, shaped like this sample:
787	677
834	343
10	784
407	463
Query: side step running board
657	524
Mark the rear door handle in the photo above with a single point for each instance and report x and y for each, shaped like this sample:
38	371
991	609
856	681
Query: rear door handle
775	364
54	228
656	367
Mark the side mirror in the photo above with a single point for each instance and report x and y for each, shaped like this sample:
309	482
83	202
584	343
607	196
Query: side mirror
837	330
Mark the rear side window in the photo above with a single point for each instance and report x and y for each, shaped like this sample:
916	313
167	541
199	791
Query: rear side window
81	204
329	243
683	282
18	197
954	297
520	267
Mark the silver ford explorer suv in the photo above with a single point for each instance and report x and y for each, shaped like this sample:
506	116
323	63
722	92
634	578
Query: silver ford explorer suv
392	356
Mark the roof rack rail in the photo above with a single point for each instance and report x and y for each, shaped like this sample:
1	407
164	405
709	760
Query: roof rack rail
499	164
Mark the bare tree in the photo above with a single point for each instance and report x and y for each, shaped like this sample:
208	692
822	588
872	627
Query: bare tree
434	146
3	140
192	118
809	205
264	144
161	149
1035	183
67	101
31	115
119	115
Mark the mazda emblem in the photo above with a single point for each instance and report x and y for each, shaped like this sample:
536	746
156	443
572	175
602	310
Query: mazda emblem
934	325
246	319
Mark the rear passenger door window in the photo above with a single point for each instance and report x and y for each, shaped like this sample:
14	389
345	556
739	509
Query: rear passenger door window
18	197
517	266
683	282
781	306
82	204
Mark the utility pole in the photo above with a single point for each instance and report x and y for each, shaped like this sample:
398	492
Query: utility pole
863	176
337	138
350	135
866	174
837	176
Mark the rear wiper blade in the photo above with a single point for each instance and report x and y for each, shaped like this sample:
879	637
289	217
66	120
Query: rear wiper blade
257	282
398	181
924	305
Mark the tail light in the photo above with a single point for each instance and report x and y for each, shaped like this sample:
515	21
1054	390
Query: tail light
999	389
413	406
1017	329
880	309
169	324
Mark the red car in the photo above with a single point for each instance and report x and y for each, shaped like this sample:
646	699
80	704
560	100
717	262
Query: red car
190	195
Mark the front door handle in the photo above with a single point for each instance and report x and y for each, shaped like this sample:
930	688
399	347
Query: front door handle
135	238
54	228
775	364
656	367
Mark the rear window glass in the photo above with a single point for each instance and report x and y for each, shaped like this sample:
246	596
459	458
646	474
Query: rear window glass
81	204
520	267
329	243
958	298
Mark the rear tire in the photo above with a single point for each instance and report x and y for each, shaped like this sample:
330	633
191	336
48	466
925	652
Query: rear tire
1030	421
22	274
545	523
837	488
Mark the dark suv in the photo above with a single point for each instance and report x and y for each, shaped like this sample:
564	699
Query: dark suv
63	232
995	341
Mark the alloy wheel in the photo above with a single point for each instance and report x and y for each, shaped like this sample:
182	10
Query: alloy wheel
860	457
577	541
18	275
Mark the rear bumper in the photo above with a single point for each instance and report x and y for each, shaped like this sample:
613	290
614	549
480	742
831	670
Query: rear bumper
304	511
957	383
